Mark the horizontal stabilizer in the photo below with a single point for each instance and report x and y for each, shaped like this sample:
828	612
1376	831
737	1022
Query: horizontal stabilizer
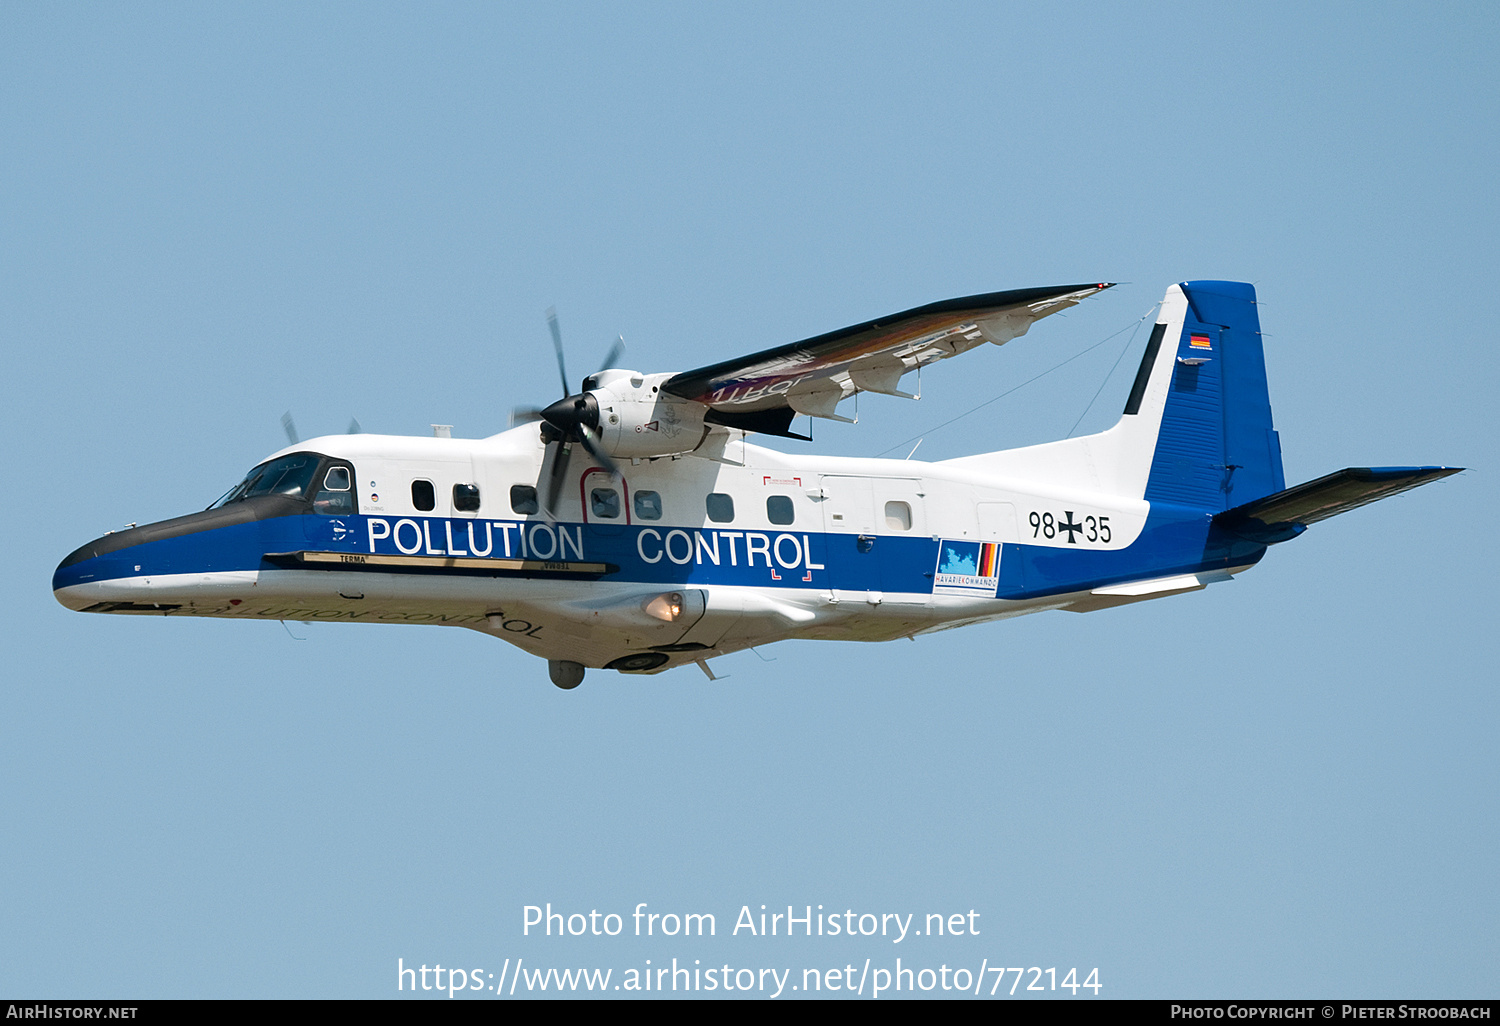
1283	515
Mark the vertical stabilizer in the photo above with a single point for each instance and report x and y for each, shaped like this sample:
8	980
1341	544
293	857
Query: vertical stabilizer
1200	399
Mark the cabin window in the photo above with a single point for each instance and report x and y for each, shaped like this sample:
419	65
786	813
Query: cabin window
336	496
779	509
423	497
720	507
466	498
605	503
523	499
648	505
898	515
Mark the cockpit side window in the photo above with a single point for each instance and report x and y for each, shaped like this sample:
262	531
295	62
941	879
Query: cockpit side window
336	496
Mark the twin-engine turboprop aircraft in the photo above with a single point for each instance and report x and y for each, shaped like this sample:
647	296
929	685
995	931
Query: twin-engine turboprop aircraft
636	529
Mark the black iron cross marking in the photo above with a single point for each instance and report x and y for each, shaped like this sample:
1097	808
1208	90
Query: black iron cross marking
1069	526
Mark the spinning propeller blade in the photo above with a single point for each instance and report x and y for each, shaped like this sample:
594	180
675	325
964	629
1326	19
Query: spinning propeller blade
562	367
561	452
600	456
613	356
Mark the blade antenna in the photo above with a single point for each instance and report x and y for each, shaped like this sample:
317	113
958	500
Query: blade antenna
289	427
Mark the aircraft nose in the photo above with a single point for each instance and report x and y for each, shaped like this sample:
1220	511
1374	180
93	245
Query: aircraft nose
90	573
116	567
72	568
124	571
79	567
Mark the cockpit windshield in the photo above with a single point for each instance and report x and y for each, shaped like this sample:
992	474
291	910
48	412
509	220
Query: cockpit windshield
289	475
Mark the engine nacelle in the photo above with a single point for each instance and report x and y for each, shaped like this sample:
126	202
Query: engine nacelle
638	420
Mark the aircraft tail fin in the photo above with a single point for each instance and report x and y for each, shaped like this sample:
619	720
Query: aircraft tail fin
1287	513
1201	401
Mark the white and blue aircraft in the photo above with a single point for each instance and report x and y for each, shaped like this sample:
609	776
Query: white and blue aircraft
636	529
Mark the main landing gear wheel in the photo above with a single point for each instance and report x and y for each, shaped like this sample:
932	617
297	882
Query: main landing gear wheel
565	673
637	662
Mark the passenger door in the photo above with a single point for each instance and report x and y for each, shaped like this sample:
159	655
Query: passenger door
877	533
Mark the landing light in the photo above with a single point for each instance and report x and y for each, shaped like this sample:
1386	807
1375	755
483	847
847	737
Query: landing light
666	607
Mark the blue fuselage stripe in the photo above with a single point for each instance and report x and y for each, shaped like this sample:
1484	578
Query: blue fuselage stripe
1173	541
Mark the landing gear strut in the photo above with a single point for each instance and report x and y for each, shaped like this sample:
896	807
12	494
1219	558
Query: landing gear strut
565	673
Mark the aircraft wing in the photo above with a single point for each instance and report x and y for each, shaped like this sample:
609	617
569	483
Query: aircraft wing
763	391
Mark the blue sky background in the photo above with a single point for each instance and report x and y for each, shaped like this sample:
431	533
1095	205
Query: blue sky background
1284	786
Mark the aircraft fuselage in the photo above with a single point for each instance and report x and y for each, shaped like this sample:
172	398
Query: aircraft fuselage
777	547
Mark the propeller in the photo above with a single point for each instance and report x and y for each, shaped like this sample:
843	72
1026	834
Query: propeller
290	427
614	354
562	367
573	419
